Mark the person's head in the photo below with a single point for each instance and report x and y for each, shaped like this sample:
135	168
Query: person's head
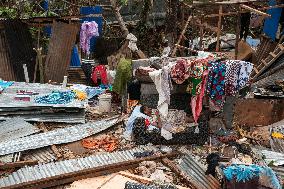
146	110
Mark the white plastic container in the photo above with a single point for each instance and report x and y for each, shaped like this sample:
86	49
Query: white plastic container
105	103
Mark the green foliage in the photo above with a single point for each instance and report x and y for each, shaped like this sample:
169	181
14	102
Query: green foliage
6	12
123	2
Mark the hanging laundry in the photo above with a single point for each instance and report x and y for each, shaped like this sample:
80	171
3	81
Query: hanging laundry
56	97
132	42
216	82
196	101
231	77
163	85
180	71
88	30
100	71
245	71
123	75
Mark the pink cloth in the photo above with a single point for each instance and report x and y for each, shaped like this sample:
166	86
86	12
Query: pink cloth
88	30
196	101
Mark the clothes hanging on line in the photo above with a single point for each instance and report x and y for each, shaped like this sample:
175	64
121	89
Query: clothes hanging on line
100	71
88	30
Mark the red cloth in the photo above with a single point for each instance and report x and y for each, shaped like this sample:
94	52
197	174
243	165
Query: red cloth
196	101
101	70
147	123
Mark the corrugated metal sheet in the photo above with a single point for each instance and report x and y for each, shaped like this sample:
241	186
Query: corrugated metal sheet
11	157
21	51
6	72
48	170
58	136
73	112
59	51
196	172
16	128
44	155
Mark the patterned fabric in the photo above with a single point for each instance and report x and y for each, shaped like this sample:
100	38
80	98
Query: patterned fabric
56	97
194	86
88	30
245	71
216	82
180	72
231	77
196	101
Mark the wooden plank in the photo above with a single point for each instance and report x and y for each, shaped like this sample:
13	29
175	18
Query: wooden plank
244	11
182	34
256	71
18	164
269	63
272	54
263	62
219	28
256	11
281	47
237	35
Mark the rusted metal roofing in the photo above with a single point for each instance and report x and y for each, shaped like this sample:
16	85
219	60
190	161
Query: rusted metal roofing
196	172
20	45
59	51
6	70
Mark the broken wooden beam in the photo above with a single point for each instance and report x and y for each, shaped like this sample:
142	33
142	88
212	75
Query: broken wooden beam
181	35
18	164
219	28
255	10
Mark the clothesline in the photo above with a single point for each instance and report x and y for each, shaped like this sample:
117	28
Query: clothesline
206	74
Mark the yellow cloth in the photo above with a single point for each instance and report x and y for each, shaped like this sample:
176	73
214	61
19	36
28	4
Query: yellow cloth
277	135
80	95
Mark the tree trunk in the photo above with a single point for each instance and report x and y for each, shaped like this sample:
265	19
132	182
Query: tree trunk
119	17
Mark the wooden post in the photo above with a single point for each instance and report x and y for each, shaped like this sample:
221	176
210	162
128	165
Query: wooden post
201	33
181	35
219	28
237	33
26	73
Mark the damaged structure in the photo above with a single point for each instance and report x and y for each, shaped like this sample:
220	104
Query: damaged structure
142	94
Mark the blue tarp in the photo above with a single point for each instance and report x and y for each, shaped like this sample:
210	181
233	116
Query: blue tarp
75	59
271	24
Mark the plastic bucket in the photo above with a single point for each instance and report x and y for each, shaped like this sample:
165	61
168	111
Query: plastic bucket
105	103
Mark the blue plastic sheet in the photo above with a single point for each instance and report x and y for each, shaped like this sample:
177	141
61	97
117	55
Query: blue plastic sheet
75	59
271	24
